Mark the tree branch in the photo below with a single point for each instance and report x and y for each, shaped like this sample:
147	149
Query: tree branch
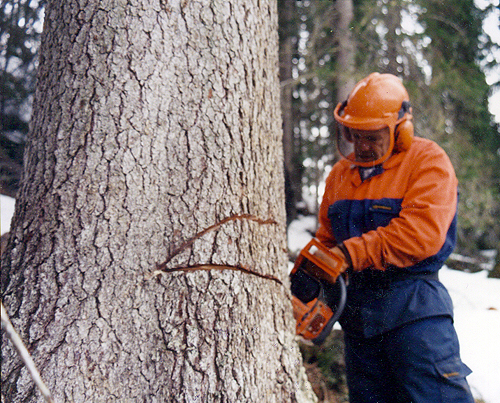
162	267
25	355
219	267
190	241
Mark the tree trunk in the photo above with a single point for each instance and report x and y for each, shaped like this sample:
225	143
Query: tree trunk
293	177
146	261
394	41
346	50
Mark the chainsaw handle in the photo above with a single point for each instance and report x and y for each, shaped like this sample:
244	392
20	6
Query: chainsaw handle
316	265
342	299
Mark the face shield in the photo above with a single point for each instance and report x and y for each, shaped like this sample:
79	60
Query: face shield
365	142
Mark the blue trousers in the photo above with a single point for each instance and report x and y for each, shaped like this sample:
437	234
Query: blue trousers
418	362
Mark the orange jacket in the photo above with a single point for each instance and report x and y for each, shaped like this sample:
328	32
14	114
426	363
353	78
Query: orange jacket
399	217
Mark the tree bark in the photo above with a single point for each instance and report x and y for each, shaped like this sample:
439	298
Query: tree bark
346	55
293	177
394	51
147	254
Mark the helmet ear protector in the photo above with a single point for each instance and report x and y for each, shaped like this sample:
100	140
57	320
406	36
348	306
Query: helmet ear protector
404	130
400	127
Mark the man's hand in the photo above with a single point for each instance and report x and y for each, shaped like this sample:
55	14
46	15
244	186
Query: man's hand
333	263
337	251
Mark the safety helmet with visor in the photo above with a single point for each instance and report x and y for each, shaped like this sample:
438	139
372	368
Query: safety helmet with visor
377	102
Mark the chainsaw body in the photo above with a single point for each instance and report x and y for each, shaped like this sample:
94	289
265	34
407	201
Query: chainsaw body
318	292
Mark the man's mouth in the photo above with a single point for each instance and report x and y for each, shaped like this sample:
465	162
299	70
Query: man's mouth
365	157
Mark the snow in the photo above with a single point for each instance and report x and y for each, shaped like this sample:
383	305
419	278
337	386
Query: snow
7	211
476	299
300	233
477	310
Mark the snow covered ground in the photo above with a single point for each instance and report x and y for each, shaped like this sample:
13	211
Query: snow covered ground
7	211
477	320
477	310
477	317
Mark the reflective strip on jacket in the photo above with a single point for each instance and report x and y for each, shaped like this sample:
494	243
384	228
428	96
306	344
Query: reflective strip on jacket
402	219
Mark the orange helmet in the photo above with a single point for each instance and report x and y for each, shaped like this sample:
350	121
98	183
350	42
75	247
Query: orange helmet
376	102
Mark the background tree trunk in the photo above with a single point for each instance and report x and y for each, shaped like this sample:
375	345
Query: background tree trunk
346	57
153	122
287	48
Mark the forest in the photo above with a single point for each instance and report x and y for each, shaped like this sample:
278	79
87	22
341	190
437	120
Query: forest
438	48
441	52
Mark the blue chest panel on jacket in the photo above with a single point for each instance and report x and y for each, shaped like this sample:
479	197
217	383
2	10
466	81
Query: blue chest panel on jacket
351	218
371	311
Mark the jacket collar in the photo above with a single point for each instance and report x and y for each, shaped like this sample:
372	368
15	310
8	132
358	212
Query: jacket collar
393	162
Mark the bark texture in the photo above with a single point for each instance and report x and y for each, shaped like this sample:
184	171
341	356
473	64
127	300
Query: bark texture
346	49
293	177
154	121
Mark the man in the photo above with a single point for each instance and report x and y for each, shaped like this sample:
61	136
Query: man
389	210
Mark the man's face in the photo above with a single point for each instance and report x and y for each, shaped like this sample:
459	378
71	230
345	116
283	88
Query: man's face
370	145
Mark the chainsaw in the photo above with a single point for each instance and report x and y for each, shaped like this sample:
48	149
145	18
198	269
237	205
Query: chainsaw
318	292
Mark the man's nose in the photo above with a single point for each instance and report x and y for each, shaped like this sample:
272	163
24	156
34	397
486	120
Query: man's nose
363	145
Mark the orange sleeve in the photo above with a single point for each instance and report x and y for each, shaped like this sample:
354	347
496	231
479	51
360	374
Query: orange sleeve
324	232
428	208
